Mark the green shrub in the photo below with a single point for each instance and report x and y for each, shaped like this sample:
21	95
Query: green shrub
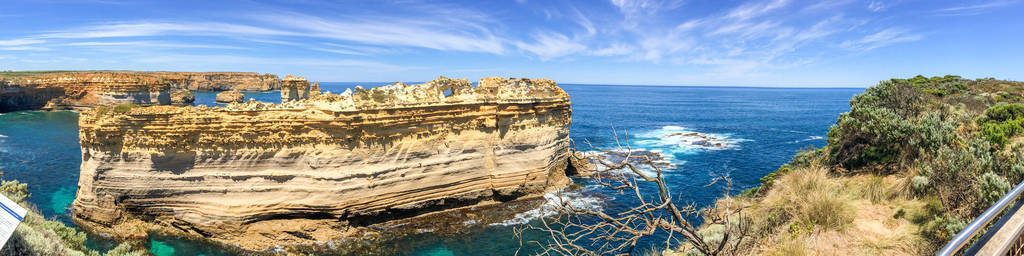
991	187
71	237
806	157
124	108
1002	122
919	184
14	190
38	236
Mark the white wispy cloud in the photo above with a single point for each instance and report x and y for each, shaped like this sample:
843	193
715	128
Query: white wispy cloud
877	6
880	39
150	44
548	45
234	60
145	29
974	9
617	49
442	33
637	9
24	48
755	9
21	41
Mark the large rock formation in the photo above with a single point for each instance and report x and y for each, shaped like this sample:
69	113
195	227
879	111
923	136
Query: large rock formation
80	90
230	96
295	88
220	81
257	175
182	97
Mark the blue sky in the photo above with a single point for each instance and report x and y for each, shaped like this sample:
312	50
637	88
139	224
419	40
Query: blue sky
839	43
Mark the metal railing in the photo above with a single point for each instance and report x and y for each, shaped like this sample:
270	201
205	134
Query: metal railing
972	229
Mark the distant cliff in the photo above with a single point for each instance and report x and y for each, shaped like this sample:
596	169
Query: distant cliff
220	81
52	90
256	175
79	90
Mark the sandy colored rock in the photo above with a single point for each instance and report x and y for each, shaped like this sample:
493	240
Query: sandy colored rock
182	97
257	175
220	81
81	90
61	90
230	96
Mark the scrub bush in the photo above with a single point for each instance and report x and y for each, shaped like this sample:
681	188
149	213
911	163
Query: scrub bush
991	187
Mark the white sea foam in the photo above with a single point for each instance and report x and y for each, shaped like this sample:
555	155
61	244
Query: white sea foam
3	136
639	156
678	139
809	139
552	201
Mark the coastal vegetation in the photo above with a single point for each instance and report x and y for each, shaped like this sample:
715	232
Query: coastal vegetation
911	163
37	235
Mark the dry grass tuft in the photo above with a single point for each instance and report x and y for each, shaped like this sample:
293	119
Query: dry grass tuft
811	199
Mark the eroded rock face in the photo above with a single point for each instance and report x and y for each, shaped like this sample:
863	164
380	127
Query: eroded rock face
220	81
182	97
80	90
230	96
296	88
257	175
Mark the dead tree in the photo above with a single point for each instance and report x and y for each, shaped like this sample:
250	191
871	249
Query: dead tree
576	230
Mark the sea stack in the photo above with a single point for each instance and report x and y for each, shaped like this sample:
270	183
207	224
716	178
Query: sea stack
259	175
296	88
230	96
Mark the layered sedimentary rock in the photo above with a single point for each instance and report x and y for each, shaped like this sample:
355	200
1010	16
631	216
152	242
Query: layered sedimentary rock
257	175
230	96
79	90
295	88
220	81
182	97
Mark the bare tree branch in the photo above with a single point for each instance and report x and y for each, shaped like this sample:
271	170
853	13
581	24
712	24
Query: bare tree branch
582	230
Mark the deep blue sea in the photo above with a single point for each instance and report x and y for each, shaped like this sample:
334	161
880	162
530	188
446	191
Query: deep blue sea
761	129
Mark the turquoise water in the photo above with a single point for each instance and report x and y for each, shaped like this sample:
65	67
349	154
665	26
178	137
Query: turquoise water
763	128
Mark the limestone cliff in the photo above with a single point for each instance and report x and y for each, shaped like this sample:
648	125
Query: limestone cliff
78	90
81	89
256	175
220	81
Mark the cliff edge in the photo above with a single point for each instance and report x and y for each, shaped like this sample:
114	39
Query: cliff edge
314	168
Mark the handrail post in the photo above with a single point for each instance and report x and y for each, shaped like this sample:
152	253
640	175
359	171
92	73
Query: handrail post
968	232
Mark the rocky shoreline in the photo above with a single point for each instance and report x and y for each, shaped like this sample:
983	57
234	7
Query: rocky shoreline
320	167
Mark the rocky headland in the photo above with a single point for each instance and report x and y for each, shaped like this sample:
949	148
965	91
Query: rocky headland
81	90
60	90
320	167
220	81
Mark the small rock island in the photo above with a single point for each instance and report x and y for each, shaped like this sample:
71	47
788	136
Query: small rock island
318	166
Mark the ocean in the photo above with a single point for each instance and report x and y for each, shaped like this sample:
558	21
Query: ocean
758	129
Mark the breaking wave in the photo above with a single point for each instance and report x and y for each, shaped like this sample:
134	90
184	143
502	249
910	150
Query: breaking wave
809	139
579	199
678	139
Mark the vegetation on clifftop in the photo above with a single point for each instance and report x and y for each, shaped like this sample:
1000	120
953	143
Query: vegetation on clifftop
911	163
38	236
